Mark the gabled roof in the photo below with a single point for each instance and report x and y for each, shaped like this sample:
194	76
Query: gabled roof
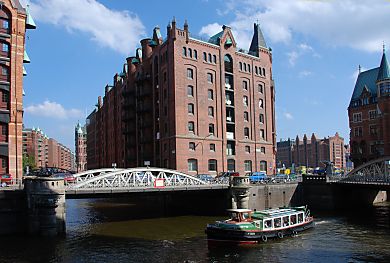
367	78
384	70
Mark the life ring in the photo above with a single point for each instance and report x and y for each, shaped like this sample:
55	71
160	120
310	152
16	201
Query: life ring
280	235
264	238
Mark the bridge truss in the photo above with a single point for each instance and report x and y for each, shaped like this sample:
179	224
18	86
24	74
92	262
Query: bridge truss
136	179
373	172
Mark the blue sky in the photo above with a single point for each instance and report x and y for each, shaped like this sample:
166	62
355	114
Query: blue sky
317	46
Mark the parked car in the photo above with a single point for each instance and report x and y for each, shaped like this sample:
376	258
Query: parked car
281	178
5	179
227	174
205	177
256	177
68	177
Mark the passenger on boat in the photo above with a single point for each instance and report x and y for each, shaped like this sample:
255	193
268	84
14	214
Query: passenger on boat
285	221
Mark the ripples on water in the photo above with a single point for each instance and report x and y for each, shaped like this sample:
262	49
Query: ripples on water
109	231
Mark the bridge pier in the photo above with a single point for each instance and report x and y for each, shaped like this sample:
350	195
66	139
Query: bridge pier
45	205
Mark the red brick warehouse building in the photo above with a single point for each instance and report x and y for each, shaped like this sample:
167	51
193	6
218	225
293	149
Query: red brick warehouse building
14	20
369	114
192	105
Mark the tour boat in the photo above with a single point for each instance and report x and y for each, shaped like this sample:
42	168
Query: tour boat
247	226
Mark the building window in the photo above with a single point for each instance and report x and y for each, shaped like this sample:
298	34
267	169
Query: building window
5	47
246	116
248	166
373	130
210	58
264	72
240	64
260	88
262	149
190	90
212	147
256	71
358	131
261	103
4	71
3	163
245	100
4	129
245	67
191	146
211	128
204	56
190	73
209	78
263	166
357	117
372	114
184	51
214	59
5	97
5	24
190	52
195	54
231	165
246	133
192	165
212	165
249	68
247	149
190	108
191	126
261	118
210	94
211	111
262	134
228	63
245	85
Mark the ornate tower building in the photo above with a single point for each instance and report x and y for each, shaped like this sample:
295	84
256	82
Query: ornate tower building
81	147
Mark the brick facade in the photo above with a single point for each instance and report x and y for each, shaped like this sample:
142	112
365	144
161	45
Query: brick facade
12	56
190	105
311	153
369	114
47	152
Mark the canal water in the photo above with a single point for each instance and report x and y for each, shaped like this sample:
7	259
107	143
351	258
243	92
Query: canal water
106	230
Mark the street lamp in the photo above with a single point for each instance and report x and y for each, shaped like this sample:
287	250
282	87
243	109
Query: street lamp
201	142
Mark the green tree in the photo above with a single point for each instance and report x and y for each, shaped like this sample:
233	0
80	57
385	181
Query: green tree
28	161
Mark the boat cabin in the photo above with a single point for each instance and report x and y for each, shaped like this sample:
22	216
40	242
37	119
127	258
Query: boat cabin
240	215
274	219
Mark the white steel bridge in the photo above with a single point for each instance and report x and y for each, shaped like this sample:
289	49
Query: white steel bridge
142	179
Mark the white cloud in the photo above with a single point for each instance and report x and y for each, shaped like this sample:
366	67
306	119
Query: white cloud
302	49
359	24
288	116
292	57
210	29
118	30
53	110
304	73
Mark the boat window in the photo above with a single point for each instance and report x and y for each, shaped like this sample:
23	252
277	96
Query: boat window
245	216
277	222
293	219
258	223
268	223
300	217
234	216
286	221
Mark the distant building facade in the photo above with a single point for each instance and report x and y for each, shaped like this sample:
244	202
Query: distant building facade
80	147
369	114
45	151
311	153
191	105
14	20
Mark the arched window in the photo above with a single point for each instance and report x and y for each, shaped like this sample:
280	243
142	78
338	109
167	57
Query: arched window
245	67
211	128
210	58
190	52
263	166
261	118
261	103
184	51
214	59
4	51
246	133
204	56
264	72
228	63
190	108
5	20
249	68
240	64
195	54
211	111
245	101
191	126
248	166
256	71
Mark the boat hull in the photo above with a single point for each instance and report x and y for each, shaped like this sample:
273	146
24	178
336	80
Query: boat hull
241	236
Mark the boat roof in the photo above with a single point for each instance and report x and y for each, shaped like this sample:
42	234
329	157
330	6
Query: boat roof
239	210
277	212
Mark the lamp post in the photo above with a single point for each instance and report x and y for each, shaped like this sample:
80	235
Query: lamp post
201	142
